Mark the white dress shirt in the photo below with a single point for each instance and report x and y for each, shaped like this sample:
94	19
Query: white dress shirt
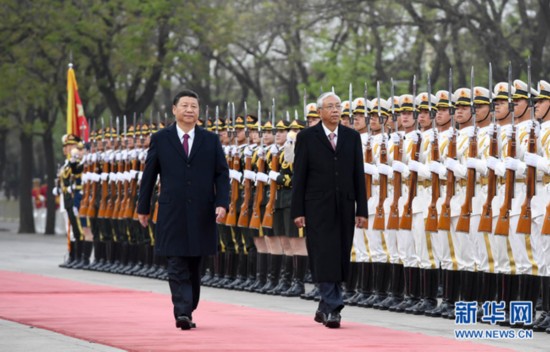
327	132
189	140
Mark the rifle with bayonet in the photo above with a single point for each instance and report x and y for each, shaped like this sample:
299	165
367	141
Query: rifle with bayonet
463	224
91	211
524	221
503	223
267	221
406	217
486	219
236	161
133	162
256	220
244	216
86	188
393	218
379	216
431	221
444	223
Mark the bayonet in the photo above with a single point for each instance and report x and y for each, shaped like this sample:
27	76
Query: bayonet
393	114
274	130
305	105
367	117
529	97
491	103
430	111
415	113
451	106
217	116
472	97
510	100
350	104
246	124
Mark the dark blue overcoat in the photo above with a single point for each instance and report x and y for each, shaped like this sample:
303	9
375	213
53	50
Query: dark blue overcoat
191	189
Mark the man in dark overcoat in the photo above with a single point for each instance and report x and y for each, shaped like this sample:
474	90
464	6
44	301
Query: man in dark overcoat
329	198
194	194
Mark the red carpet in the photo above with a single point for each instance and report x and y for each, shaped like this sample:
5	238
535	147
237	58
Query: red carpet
142	321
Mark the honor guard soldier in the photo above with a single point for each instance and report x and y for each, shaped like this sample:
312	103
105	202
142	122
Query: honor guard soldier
346	113
69	187
541	224
359	279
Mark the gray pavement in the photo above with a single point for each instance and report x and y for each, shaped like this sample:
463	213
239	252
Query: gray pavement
40	254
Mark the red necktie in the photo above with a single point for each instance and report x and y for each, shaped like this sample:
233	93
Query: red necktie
186	144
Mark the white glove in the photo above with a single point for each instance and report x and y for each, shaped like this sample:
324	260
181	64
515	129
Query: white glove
112	176
511	163
124	155
69	189
529	125
414	165
140	174
234	151
491	129
413	137
249	175
274	150
451	164
236	175
94	157
247	152
438	168
492	162
508	129
398	166
261	152
396	138
119	156
384	169
261	177
143	155
104	176
531	159
471	132
273	175
133	154
84	178
127	176
544	165
430	135
370	169
477	164
226	150
55	191
133	174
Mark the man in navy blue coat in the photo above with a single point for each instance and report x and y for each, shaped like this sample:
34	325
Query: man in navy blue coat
329	195
194	195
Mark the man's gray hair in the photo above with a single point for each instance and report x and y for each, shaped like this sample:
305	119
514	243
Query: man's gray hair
325	95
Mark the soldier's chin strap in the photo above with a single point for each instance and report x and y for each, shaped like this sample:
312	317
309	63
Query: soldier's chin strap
523	113
545	114
444	124
505	116
485	118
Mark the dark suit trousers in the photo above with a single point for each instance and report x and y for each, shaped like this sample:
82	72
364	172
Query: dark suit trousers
185	284
331	297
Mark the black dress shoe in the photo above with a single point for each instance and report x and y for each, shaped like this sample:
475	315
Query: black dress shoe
185	323
332	320
319	316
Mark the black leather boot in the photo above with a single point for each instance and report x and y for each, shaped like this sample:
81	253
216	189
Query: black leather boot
250	271
510	290
384	281
543	322
284	278
351	282
532	294
429	292
414	291
77	262
230	270
273	272
261	272
297	288
453	293
241	272
436	312
397	282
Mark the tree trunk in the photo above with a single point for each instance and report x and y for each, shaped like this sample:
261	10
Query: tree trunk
47	141
26	218
3	139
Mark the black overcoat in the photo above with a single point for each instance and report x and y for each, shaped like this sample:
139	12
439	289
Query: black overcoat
191	189
329	190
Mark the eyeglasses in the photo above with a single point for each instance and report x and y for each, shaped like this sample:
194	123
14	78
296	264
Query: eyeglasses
332	107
